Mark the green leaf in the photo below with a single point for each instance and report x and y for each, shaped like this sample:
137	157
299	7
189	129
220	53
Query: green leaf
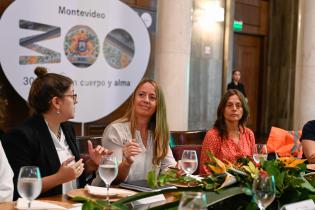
251	206
80	199
152	179
307	185
89	205
247	191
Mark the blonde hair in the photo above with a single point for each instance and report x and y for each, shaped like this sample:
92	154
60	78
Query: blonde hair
158	122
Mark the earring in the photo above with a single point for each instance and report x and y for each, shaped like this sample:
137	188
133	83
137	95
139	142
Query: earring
58	111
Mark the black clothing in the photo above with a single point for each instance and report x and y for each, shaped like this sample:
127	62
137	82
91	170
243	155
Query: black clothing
308	131
240	87
31	144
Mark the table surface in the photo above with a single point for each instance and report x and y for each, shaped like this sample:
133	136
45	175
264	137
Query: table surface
65	201
213	199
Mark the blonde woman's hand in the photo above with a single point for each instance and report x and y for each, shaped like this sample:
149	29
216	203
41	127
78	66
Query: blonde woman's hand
130	150
97	152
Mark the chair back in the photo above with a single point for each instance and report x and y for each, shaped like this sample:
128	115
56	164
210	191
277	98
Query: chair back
187	137
82	142
187	140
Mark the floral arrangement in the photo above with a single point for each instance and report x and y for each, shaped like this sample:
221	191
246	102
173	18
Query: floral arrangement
293	182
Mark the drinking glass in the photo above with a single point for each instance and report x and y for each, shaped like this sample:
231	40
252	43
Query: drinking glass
193	200
29	183
264	190
260	153
108	170
189	161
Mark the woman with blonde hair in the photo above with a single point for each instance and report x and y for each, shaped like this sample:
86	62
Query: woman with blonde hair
140	139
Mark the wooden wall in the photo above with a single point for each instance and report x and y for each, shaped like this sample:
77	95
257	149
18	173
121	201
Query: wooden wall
15	108
250	55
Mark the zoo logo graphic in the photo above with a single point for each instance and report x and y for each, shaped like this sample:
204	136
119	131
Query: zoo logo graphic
81	46
67	37
118	48
51	32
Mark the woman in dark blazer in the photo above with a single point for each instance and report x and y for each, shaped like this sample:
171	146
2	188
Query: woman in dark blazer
46	140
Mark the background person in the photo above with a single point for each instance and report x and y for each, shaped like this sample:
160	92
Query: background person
140	139
229	139
46	140
235	83
308	141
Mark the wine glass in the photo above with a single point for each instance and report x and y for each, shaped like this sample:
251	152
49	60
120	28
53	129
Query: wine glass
193	200
29	183
189	161
264	189
108	170
260	153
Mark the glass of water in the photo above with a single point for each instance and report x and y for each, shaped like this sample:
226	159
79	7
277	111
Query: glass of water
260	153
193	200
264	189
29	183
189	161
108	170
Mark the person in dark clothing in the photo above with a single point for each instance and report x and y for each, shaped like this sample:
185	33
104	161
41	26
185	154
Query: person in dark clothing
308	141
47	140
235	83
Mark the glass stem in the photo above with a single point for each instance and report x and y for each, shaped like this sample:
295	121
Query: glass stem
28	204
107	194
261	207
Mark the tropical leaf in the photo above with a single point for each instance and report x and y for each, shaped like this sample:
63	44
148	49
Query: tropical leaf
152	179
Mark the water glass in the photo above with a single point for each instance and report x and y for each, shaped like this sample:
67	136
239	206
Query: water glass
260	153
264	190
192	201
108	170
29	183
189	161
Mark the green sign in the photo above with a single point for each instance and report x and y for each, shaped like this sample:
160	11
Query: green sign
238	25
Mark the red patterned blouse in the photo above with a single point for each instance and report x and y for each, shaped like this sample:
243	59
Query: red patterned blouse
226	149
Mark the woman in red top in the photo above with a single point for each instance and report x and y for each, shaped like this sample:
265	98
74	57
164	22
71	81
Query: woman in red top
229	139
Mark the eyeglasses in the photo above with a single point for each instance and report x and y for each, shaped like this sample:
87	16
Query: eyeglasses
74	96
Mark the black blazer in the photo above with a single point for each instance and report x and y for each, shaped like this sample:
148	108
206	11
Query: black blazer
31	145
240	87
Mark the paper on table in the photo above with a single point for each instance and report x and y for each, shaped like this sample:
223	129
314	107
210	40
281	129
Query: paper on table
302	205
77	206
101	191
149	200
22	204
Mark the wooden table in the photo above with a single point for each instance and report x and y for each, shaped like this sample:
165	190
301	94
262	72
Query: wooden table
63	200
227	199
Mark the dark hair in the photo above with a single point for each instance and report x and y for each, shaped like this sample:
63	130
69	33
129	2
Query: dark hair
220	121
235	70
45	87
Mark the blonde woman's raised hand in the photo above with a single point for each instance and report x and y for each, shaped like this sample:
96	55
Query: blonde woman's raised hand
130	150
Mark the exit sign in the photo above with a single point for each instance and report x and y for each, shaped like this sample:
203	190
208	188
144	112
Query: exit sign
238	25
